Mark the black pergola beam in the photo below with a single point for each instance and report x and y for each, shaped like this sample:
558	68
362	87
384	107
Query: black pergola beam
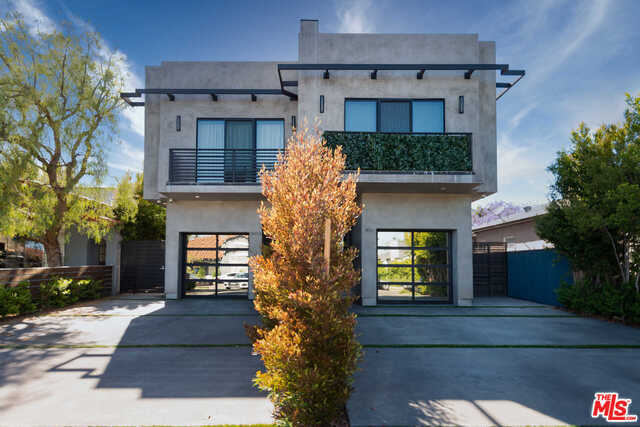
290	83
154	91
421	68
512	72
379	67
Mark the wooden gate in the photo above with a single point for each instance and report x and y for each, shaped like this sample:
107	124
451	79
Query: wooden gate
489	269
142	266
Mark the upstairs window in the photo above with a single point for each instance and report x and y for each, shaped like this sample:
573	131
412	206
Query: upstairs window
360	115
391	115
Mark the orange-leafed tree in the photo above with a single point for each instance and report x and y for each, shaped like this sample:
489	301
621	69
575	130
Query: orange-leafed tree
307	340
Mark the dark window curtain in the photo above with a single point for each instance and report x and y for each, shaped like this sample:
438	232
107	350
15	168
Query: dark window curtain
395	116
239	158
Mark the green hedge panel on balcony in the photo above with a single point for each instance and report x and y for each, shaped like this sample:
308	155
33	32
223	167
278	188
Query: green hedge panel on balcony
403	152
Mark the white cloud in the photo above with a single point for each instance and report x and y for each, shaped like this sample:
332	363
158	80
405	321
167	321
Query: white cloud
354	17
34	18
127	158
134	116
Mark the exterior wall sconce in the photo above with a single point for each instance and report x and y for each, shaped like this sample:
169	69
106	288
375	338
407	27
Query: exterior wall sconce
374	74
293	122
178	123
321	103
461	104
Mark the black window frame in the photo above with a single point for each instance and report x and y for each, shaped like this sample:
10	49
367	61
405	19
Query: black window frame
413	283
378	101
184	264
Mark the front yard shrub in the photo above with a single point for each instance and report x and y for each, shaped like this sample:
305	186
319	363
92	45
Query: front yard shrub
60	292
306	340
604	299
16	300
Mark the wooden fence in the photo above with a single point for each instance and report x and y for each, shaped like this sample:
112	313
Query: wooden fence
37	275
489	269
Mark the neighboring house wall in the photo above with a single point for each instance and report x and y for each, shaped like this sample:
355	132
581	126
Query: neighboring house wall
81	250
518	232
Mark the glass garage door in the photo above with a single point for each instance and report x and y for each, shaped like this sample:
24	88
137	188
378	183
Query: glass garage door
413	266
215	265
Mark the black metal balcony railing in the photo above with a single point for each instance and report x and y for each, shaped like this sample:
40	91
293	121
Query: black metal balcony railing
405	152
370	151
216	166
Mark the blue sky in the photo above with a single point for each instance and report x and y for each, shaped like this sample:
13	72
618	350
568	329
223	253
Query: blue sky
580	57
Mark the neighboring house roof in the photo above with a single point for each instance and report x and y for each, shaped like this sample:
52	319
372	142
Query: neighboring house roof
529	212
529	246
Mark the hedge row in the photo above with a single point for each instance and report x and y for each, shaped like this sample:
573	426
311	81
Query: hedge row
56	293
612	301
403	152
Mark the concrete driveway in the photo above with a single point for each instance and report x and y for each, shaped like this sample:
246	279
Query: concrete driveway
132	362
502	362
141	361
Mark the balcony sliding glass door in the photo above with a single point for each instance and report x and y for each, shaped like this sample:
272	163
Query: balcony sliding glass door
239	153
234	150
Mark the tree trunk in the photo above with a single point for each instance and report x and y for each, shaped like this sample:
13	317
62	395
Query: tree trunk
52	248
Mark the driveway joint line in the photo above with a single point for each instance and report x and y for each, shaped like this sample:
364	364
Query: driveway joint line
396	346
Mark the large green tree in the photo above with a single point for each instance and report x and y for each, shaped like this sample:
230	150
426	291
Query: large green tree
139	219
594	214
59	102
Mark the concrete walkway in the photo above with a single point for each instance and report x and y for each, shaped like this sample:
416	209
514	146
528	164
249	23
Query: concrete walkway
145	361
439	365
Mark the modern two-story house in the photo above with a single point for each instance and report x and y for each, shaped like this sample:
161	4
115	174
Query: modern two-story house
415	112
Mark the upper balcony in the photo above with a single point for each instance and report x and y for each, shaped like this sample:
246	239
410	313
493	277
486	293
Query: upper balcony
412	159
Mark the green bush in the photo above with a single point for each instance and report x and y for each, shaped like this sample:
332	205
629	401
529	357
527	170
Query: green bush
403	152
16	300
60	292
604	299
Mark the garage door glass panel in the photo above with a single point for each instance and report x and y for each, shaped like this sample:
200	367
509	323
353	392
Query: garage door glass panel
431	256
394	274
394	256
432	293
413	266
394	239
428	274
394	293
216	264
